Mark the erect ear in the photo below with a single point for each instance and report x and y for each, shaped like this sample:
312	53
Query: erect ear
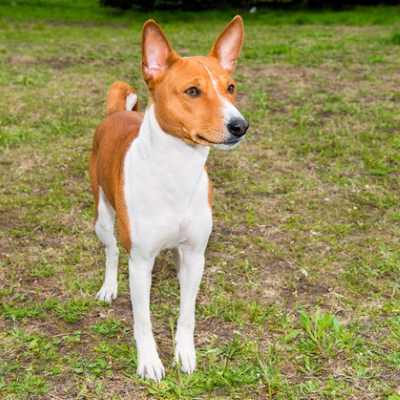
228	44
157	53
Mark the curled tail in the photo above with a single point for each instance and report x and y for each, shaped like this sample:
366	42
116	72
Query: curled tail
121	97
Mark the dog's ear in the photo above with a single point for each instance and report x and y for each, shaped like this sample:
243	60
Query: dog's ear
228	44
157	53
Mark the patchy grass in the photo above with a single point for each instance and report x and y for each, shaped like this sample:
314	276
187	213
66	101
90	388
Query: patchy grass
300	298
395	38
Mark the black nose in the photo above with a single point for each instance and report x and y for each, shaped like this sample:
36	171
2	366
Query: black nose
238	126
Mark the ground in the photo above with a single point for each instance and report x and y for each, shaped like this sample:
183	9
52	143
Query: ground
301	295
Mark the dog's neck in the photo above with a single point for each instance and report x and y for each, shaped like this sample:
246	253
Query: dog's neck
167	148
177	165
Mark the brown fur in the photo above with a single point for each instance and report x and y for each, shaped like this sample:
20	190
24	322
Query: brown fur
168	76
111	142
186	117
116	98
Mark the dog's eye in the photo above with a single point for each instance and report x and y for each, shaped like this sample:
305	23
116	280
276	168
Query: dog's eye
231	88
193	91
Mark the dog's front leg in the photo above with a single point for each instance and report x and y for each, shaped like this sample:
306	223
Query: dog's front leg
191	266
149	363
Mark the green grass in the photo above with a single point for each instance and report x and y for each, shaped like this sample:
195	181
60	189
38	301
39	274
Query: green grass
301	295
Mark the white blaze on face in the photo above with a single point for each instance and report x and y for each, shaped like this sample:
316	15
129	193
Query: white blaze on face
228	109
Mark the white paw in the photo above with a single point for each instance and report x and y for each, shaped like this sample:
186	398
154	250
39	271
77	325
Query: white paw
185	354
108	292
150	366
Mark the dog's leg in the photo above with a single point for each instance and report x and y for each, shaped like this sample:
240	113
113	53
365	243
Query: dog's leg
149	363
105	232
191	268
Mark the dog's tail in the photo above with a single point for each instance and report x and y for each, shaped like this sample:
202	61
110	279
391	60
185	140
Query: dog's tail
121	97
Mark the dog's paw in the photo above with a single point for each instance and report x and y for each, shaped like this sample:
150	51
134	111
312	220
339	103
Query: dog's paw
108	292
150	366
185	354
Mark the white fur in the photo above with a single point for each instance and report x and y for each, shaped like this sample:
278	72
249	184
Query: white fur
105	232
166	192
130	102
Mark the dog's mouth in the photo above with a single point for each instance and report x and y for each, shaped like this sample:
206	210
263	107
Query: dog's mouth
203	140
231	142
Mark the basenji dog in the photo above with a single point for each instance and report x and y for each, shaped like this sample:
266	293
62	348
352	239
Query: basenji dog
148	173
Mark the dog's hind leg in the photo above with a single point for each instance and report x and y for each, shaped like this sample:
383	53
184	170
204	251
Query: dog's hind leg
105	232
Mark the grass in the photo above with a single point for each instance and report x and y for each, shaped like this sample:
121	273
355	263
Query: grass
300	298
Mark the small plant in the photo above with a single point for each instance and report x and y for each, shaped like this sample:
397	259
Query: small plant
323	334
43	270
72	311
270	373
29	384
15	312
96	367
395	38
109	327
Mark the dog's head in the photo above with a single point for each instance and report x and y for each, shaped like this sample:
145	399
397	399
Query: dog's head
194	96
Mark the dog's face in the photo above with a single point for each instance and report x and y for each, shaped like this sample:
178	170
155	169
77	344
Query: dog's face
194	96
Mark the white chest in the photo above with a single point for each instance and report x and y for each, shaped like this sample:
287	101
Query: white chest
166	190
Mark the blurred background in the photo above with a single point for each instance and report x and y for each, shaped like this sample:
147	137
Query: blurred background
210	4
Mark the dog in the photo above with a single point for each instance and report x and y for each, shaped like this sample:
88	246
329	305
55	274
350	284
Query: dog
148	174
